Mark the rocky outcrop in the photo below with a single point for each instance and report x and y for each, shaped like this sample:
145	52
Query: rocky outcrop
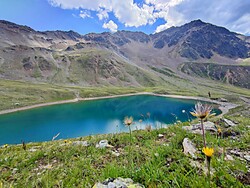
230	74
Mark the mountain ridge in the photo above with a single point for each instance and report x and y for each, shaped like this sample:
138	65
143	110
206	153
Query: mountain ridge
53	56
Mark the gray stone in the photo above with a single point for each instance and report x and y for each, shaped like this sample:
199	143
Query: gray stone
247	157
118	183
222	100
228	122
112	185
100	185
228	158
32	150
115	153
80	143
189	148
103	144
196	128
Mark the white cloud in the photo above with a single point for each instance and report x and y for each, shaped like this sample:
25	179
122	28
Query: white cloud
84	14
111	26
228	13
102	14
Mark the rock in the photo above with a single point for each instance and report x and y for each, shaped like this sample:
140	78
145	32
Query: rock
189	148
247	157
112	185
228	158
14	170
203	167
32	150
80	143
156	154
196	128
99	185
229	133
115	153
118	183
228	122
160	136
103	144
121	183
222	100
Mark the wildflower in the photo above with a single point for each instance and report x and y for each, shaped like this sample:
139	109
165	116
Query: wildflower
128	120
201	111
5	145
65	141
140	120
208	151
219	130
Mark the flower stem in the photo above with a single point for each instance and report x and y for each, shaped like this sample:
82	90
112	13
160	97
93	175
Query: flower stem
203	133
208	168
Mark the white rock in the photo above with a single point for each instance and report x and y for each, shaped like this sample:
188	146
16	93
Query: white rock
189	147
115	153
157	154
103	144
229	122
160	136
111	185
80	143
229	158
196	128
247	157
99	185
32	149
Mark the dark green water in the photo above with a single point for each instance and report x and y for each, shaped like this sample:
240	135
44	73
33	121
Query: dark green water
91	117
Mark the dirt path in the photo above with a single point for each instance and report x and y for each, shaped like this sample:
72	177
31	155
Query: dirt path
224	106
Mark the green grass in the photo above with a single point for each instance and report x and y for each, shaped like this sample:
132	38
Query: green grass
153	162
15	94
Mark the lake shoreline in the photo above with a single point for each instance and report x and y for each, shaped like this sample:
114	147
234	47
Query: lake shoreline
223	106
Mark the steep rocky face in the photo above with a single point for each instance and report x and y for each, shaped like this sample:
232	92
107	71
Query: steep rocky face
230	74
202	40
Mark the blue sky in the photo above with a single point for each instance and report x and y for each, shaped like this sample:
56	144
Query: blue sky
149	16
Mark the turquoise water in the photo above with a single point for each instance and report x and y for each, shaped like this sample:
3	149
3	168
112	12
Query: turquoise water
91	117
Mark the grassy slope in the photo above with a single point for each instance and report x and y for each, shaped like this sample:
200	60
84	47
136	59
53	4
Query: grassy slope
79	166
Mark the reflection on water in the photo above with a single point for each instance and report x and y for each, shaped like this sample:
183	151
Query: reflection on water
92	117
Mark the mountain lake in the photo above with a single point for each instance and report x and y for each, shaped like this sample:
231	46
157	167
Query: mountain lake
93	117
